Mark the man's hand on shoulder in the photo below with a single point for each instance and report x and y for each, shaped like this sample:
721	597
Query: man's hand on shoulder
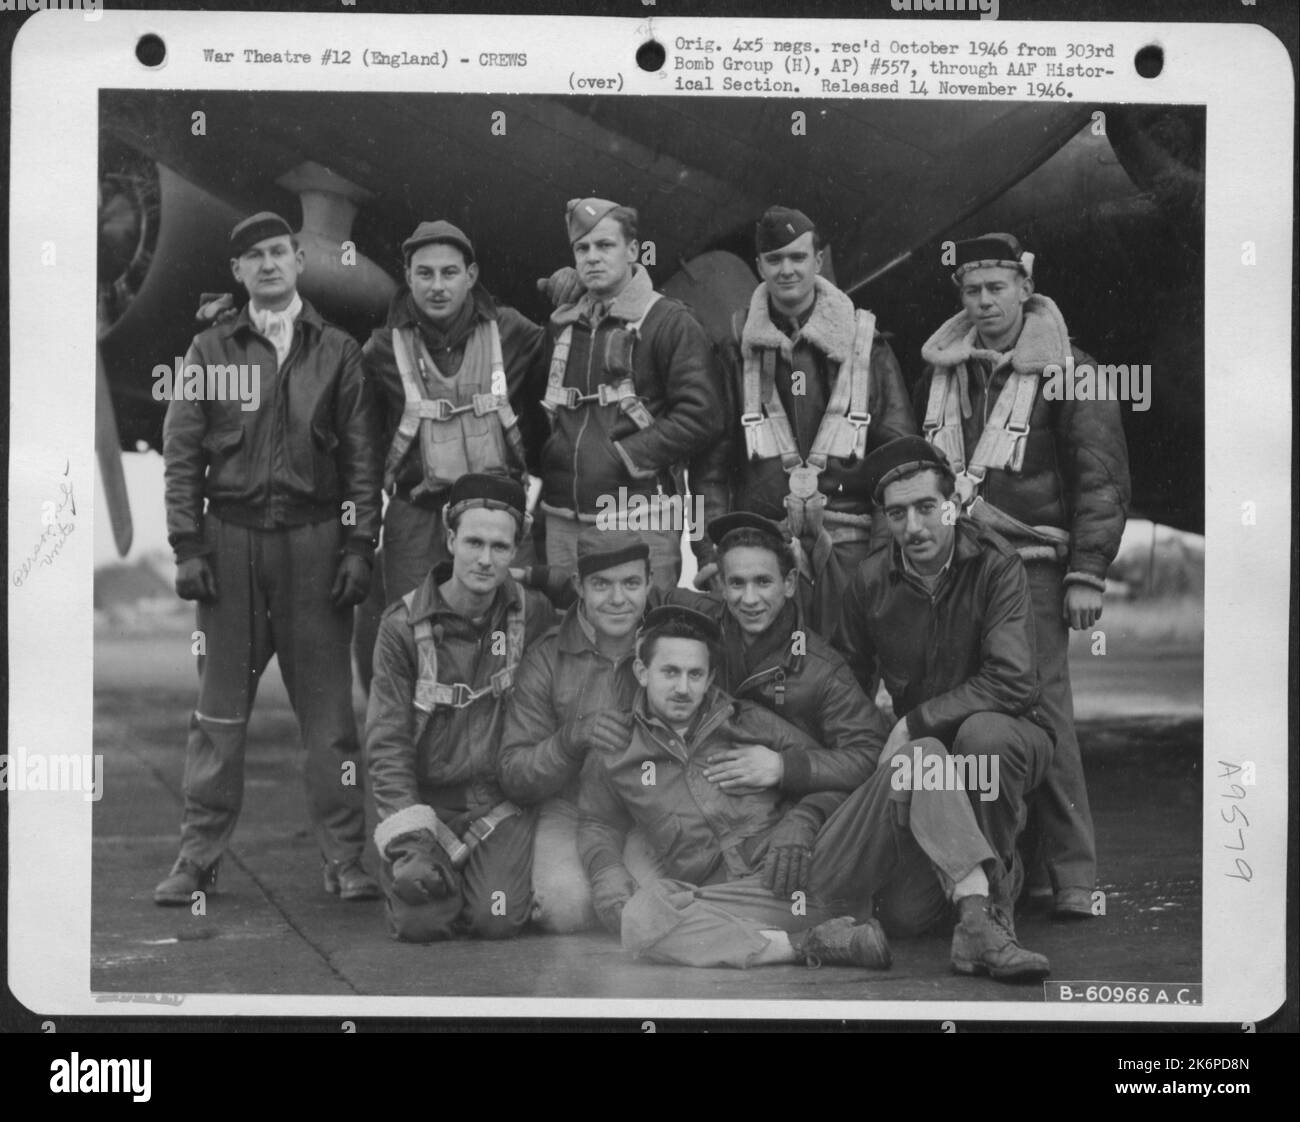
562	286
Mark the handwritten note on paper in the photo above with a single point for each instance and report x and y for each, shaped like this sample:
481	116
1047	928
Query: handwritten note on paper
58	521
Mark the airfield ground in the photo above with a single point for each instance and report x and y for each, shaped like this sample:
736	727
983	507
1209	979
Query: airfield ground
270	930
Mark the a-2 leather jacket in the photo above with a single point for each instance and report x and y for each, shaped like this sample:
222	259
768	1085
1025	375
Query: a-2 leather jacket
965	649
563	677
306	449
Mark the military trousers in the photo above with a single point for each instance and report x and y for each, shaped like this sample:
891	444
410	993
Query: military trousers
888	850
273	597
1060	816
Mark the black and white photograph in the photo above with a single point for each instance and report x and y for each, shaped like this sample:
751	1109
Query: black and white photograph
740	547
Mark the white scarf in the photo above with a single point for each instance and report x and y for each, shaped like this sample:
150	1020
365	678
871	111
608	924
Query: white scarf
277	326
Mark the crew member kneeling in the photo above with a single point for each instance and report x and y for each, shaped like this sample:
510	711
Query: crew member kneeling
456	856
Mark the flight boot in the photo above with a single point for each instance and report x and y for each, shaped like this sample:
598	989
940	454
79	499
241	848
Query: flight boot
349	880
984	942
186	878
843	942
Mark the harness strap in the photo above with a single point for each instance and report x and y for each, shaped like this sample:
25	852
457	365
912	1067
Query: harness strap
621	392
843	431
410	353
942	426
1002	443
430	693
409	424
459	848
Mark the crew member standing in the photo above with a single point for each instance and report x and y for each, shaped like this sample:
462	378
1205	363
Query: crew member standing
633	397
273	513
813	388
456	378
1050	476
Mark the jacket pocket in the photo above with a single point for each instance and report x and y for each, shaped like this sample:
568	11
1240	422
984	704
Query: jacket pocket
222	447
664	834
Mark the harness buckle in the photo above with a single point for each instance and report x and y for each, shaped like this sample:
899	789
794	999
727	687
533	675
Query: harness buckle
442	409
858	420
749	420
462	695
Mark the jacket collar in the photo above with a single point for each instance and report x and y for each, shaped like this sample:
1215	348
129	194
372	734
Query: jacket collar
576	634
1043	340
243	321
782	656
429	601
830	327
714	709
965	549
629	305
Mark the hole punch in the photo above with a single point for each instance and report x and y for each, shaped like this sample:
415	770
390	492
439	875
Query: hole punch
151	51
650	56
1150	61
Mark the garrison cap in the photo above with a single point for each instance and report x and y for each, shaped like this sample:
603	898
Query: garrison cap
779	226
603	549
686	619
581	215
899	457
1003	250
723	525
495	492
256	228
427	233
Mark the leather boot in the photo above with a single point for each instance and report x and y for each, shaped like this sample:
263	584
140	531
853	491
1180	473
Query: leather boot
842	942
177	888
984	942
349	880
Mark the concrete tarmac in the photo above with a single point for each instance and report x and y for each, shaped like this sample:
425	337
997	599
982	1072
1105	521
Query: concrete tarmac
270	929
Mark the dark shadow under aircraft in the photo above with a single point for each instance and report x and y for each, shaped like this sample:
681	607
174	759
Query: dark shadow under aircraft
1110	198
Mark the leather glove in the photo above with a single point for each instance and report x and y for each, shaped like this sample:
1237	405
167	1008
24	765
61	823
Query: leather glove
789	854
562	286
607	731
195	580
611	889
421	869
351	582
